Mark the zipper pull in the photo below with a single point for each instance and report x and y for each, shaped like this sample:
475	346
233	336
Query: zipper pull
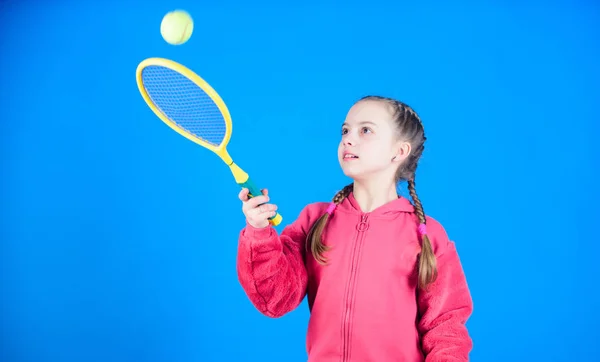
363	225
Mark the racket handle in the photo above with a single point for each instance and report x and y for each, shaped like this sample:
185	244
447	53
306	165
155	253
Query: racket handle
254	191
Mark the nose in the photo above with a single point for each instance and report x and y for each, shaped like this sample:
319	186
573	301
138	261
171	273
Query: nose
348	139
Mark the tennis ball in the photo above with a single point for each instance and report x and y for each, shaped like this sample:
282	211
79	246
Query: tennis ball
176	27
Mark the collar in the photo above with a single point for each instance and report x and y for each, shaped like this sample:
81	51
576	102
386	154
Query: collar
390	209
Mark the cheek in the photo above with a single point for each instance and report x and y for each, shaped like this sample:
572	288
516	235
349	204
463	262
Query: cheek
379	152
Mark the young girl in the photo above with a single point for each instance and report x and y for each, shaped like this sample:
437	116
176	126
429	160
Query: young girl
383	281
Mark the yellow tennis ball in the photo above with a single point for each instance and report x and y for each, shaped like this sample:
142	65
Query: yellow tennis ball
176	27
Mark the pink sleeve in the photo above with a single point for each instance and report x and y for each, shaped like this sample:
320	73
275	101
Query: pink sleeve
446	306
271	268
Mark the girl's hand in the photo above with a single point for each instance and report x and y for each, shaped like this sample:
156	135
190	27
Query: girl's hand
256	209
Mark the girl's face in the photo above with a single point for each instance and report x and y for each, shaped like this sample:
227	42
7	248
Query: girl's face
369	147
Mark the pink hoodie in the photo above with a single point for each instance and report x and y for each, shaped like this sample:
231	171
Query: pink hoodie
364	304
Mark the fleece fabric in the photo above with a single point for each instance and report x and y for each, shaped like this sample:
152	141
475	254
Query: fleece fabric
364	304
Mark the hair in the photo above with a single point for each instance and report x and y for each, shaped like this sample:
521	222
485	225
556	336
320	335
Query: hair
410	128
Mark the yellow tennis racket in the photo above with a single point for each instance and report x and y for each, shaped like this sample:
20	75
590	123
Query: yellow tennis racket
191	107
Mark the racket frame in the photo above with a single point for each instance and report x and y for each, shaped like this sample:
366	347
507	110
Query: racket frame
241	177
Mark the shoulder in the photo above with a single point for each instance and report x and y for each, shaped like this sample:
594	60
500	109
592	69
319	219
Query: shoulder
313	211
309	215
440	242
316	207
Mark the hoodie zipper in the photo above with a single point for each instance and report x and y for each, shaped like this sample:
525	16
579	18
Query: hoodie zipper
361	227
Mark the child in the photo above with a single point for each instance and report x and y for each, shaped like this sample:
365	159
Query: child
383	281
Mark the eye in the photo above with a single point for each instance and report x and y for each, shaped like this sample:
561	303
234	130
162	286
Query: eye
344	130
366	130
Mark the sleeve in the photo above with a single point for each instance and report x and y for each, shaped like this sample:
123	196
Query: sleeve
446	306
271	267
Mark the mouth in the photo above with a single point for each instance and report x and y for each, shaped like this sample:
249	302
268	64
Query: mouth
349	156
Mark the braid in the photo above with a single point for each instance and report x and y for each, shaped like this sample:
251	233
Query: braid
410	126
316	231
342	194
427	262
418	206
411	111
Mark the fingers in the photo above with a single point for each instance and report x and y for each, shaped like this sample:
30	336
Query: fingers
254	210
265	209
244	194
257	209
253	202
259	216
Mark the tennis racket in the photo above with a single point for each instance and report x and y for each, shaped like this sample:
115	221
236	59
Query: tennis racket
191	107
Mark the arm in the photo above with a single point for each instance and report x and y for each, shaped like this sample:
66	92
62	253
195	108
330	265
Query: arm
271	268
445	307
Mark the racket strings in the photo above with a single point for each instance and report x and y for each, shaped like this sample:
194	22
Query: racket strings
184	103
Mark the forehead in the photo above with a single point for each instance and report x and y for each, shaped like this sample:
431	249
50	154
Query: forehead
376	112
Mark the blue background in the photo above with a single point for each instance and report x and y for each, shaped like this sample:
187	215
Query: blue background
119	236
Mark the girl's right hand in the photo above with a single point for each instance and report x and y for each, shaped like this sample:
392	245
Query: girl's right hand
256	209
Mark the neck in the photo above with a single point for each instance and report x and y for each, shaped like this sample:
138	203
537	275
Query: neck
372	194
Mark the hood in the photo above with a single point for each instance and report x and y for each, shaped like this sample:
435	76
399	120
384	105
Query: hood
391	209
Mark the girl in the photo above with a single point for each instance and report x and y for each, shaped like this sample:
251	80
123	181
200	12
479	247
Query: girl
383	281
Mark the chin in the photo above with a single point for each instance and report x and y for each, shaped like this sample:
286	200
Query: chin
351	172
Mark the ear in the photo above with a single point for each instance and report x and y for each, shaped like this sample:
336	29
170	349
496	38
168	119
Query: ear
402	151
